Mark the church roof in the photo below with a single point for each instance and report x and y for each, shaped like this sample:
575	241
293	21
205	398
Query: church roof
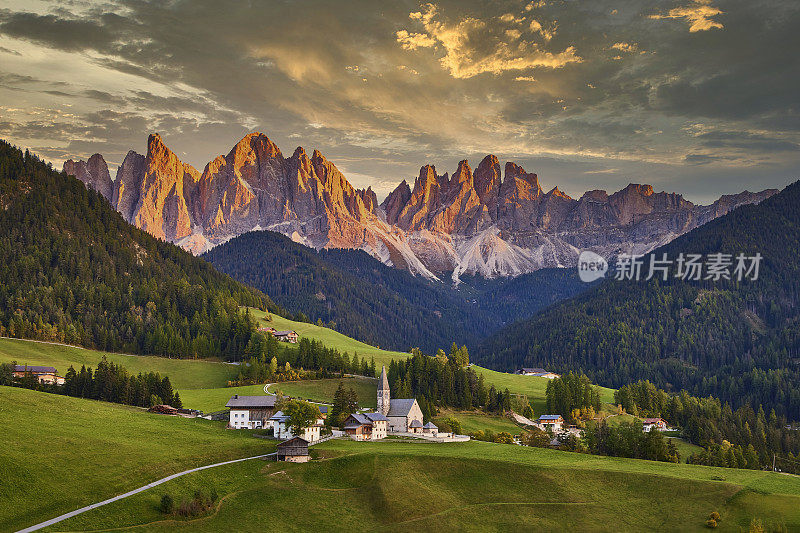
430	425
416	423
401	407
383	383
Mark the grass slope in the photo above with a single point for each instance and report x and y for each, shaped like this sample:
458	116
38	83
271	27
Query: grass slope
472	421
463	487
69	452
330	338
322	390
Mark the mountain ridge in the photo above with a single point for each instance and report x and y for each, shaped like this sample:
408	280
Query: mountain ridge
490	221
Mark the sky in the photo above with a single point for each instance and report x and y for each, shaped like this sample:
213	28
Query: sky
698	97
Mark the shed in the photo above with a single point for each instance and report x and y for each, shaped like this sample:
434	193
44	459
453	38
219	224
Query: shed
294	450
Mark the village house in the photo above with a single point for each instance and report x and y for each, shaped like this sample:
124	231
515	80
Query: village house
294	450
538	372
279	422
659	424
366	426
553	422
286	336
402	413
250	412
47	375
267	329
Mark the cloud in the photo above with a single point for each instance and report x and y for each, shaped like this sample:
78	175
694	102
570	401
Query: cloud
474	46
700	14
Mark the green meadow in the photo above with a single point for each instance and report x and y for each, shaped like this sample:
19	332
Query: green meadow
471	486
69	452
183	373
330	338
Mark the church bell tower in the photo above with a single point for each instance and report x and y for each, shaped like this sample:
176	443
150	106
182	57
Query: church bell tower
384	397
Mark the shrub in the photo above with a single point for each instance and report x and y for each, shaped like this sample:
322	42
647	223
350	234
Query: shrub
711	523
714	516
167	504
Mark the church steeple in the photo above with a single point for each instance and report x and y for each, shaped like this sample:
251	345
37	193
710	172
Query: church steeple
384	395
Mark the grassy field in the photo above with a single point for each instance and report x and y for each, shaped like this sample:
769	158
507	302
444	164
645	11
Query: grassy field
330	338
321	390
183	373
61	453
472	421
473	486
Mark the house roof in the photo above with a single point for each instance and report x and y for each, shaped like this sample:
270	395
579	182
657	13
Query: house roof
383	382
282	333
356	420
430	425
294	441
279	416
35	369
416	423
375	417
401	406
652	420
535	370
251	402
550	417
322	409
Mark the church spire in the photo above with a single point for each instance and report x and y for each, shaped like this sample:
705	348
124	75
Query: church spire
384	396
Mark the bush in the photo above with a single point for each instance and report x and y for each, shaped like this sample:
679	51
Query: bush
167	504
711	523
714	516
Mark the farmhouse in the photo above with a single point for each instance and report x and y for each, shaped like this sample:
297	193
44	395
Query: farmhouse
366	426
47	375
402	413
294	450
279	422
538	372
267	329
554	422
659	424
250	412
286	336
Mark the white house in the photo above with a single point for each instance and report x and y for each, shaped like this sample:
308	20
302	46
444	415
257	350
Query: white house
554	422
279	422
659	424
250	412
366	426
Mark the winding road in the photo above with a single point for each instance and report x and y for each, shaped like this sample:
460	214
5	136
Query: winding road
134	491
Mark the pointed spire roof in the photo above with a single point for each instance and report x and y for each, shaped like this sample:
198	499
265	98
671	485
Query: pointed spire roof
383	383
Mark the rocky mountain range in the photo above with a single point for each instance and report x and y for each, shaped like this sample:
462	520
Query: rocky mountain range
490	221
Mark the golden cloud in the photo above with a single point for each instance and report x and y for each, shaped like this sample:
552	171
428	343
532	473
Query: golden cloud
471	47
699	13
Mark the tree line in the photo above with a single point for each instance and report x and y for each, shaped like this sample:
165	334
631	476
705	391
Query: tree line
741	438
108	382
443	382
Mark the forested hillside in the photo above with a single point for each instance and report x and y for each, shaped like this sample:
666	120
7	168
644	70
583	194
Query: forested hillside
356	294
74	271
737	340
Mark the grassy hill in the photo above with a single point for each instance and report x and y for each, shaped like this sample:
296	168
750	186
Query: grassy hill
464	487
183	373
70	452
330	338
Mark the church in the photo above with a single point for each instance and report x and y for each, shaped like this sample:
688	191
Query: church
404	414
